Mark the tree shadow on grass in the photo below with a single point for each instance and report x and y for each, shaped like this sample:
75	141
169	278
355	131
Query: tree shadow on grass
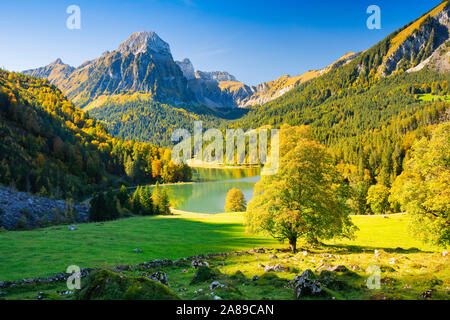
347	248
113	243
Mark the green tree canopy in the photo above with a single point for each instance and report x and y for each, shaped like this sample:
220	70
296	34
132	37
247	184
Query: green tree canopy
306	198
423	189
377	198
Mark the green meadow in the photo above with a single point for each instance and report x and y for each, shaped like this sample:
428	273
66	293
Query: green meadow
44	252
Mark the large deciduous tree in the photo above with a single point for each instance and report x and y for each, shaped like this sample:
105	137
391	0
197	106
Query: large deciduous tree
423	189
306	198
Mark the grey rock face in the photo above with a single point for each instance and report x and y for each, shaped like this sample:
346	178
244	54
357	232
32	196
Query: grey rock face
214	76
306	285
215	284
421	45
199	263
21	210
275	268
159	276
143	63
187	68
143	41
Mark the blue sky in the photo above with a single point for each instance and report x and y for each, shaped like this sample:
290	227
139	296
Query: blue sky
254	40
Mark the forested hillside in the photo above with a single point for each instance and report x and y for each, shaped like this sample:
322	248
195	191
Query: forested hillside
50	147
371	110
369	127
147	120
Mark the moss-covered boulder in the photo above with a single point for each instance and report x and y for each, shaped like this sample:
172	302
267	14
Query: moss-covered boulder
108	285
270	279
204	274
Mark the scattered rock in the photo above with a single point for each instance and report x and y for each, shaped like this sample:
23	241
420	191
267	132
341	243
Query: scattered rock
137	250
427	294
180	262
199	263
215	284
356	268
259	250
305	253
41	295
159	276
388	281
124	267
260	265
276	268
73	228
217	298
305	285
273	256
379	253
339	268
378	296
254	278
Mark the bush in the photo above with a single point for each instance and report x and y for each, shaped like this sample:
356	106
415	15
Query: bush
235	201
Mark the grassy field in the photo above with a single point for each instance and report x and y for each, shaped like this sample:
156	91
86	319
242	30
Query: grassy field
43	252
409	268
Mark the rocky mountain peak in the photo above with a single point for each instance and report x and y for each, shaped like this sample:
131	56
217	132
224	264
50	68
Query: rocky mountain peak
187	68
140	42
57	61
214	76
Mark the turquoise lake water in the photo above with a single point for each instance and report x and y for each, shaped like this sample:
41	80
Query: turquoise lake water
208	195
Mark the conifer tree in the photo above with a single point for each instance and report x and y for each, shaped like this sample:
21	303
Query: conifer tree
164	204
146	201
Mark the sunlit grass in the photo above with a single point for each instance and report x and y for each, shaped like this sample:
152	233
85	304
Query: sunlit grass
43	252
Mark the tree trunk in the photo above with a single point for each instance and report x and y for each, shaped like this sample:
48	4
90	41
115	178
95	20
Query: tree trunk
293	244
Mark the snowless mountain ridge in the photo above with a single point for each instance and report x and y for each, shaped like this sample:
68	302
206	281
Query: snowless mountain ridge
143	64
